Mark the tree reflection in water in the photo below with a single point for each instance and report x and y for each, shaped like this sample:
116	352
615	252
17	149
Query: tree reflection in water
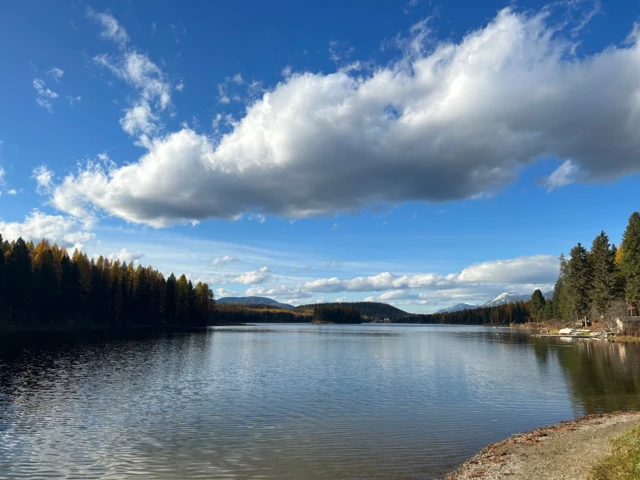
602	376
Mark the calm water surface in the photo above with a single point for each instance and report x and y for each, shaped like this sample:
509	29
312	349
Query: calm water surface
292	401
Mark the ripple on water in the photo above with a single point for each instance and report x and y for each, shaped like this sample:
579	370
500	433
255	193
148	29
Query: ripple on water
290	401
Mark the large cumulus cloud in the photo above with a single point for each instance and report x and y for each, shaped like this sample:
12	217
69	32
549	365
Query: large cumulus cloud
441	124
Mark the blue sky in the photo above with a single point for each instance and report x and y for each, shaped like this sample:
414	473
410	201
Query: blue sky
421	153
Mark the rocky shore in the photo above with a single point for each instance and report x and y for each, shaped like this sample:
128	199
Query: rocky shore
567	450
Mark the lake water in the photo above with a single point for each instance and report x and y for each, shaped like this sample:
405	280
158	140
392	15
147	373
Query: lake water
292	401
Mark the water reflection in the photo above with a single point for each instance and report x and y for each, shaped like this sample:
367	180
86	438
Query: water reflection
603	376
290	401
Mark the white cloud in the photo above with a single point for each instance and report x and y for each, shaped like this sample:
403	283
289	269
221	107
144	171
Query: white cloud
334	227
563	175
55	228
252	278
180	86
143	75
224	261
223	97
139	119
74	100
237	79
44	179
223	292
56	73
45	96
126	256
111	29
468	116
279	292
2	174
522	271
13	191
257	217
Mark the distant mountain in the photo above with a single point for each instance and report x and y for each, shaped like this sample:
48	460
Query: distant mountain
501	299
506	297
458	308
254	301
513	297
370	310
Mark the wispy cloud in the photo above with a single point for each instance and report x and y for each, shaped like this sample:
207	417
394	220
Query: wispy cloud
564	175
257	217
225	261
56	73
111	29
44	179
178	32
46	97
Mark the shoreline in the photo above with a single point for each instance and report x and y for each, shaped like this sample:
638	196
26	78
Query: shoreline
568	449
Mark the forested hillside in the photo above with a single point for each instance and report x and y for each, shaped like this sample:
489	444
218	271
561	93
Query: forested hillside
368	310
42	285
336	313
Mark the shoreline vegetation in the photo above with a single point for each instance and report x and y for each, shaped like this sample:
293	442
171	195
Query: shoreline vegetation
576	449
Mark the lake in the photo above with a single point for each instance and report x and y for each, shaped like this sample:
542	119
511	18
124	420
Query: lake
291	401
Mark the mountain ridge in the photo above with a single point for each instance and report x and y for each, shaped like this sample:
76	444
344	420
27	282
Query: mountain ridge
254	301
503	298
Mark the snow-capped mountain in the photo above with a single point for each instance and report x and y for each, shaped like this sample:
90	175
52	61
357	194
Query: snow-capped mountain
458	308
501	299
507	297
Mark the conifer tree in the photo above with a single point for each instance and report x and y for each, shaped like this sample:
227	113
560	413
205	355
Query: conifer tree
560	302
537	305
578	281
2	278
602	261
630	259
19	281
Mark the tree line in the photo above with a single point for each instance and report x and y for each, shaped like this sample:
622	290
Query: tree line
515	312
42	285
599	283
253	313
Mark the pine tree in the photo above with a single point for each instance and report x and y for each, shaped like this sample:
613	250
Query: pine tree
602	260
630	259
19	282
170	300
45	282
2	280
560	302
537	305
548	310
578	281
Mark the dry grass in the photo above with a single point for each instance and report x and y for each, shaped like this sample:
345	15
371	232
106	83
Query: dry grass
624	461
